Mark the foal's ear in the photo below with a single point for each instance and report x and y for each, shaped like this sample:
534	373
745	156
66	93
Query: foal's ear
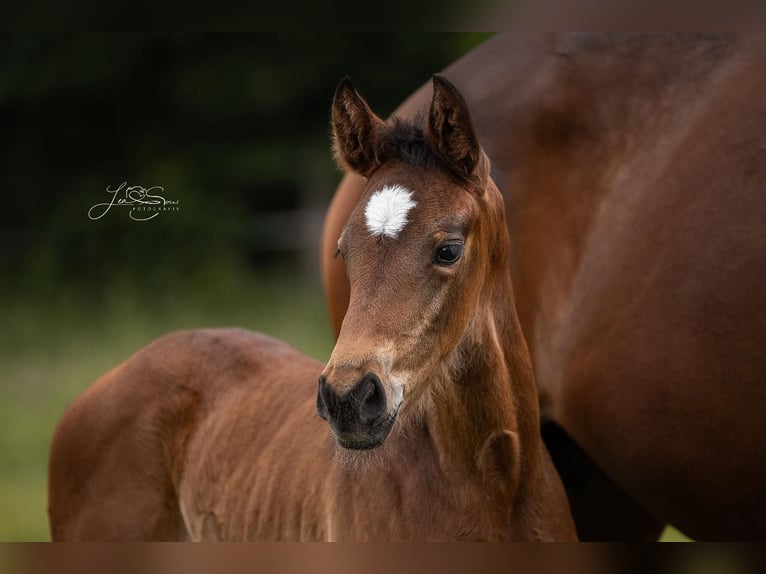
355	130
450	130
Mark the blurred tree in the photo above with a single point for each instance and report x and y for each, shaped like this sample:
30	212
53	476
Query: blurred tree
229	125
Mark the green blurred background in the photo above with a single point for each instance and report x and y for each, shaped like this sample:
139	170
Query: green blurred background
236	129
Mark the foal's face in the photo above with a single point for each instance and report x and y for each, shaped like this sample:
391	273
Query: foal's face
417	253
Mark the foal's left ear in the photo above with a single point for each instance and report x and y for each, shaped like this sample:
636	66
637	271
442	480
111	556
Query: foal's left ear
355	130
450	130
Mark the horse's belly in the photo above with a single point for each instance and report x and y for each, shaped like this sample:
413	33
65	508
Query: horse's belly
658	364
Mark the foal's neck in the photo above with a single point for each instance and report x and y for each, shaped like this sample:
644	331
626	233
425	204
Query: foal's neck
488	391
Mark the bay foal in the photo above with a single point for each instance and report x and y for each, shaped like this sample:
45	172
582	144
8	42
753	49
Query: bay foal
429	392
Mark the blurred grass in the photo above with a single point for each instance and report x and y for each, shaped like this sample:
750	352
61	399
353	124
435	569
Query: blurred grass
670	534
52	348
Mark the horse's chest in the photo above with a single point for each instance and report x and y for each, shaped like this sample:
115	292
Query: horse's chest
407	508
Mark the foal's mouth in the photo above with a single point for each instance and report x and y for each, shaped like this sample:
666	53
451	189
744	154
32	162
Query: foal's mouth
367	438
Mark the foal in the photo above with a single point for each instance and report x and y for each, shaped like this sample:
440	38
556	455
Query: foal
429	392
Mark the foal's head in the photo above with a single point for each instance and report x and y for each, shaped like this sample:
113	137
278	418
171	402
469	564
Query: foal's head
421	250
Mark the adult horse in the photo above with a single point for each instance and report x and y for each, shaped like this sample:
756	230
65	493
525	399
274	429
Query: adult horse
429	393
634	175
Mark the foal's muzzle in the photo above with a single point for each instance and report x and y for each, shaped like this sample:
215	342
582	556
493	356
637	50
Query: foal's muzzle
359	418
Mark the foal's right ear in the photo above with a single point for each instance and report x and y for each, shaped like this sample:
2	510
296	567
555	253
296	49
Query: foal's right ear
355	130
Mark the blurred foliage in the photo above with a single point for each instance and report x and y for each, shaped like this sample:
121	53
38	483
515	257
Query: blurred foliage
229	125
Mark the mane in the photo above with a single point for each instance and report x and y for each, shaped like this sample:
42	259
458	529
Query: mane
405	141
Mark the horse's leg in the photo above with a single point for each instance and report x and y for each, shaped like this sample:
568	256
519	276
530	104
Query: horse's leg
601	510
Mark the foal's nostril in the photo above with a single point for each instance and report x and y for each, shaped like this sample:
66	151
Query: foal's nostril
365	403
370	397
325	398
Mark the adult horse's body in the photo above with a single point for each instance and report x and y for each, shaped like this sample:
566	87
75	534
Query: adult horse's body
634	175
429	391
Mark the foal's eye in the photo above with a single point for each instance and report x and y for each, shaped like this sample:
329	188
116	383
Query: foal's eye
448	253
